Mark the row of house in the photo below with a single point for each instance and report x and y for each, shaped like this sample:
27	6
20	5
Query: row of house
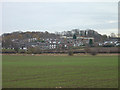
112	42
63	42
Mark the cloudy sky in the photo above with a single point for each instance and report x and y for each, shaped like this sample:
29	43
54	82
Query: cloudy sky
60	16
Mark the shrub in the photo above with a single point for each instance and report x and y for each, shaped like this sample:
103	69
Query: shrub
70	53
22	51
93	52
30	50
16	49
8	51
34	50
87	50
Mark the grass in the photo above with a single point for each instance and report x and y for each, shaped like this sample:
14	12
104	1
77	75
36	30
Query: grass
60	71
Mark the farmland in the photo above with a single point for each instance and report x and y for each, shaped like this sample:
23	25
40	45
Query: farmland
60	71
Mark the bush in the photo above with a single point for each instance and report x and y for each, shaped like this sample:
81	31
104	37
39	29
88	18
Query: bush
34	50
16	49
87	50
22	51
93	52
8	51
70	53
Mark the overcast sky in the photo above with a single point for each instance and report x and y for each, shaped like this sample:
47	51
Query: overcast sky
60	16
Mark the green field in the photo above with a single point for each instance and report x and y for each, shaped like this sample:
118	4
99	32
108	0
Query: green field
60	71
